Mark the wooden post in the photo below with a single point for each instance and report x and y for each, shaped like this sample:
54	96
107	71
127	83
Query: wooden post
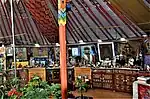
62	40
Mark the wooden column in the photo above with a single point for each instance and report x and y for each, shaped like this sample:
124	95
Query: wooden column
62	40
63	67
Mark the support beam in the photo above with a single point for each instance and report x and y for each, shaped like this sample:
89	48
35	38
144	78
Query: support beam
13	36
62	40
63	67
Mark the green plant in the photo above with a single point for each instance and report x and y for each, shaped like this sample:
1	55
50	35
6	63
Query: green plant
55	90
7	86
36	89
14	92
81	85
1	94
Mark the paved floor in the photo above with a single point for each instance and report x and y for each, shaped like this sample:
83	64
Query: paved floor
105	94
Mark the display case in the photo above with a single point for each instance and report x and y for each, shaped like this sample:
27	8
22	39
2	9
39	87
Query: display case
82	71
118	79
39	61
41	72
103	78
53	75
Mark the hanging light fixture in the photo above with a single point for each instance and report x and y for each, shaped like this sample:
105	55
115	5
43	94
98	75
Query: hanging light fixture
3	45
68	6
57	44
99	40
37	45
144	35
80	41
123	39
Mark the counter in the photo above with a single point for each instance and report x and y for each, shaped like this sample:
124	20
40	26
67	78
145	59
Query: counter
141	90
117	79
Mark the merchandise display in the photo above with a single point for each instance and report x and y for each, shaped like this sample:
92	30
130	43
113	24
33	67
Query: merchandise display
74	45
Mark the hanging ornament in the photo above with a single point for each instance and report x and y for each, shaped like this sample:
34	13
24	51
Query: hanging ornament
68	6
61	12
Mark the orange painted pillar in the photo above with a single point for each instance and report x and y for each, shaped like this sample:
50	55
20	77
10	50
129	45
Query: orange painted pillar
62	40
63	67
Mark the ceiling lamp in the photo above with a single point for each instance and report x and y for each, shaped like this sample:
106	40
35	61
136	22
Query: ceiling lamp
144	35
99	40
3	45
81	42
57	44
123	39
37	45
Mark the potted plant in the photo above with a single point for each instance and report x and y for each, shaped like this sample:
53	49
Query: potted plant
36	89
8	88
56	92
1	94
82	87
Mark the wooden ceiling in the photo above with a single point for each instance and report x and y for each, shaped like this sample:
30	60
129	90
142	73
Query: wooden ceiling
89	20
137	10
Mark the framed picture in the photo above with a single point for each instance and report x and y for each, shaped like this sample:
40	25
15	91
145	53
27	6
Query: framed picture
21	53
88	52
75	51
9	51
106	50
40	52
148	47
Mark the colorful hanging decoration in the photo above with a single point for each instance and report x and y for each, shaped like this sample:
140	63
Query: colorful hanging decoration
62	12
68	7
